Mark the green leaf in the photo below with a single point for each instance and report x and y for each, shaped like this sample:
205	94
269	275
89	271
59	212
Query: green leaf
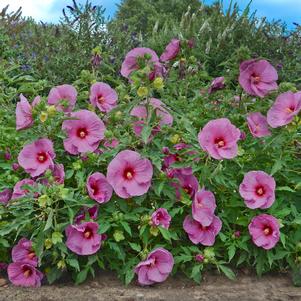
165	233
228	272
231	252
81	276
135	247
56	237
129	276
126	227
49	220
73	263
276	167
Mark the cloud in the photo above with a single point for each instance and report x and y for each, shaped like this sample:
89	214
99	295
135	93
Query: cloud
38	9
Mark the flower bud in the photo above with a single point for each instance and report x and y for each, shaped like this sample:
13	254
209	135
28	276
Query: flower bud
43	117
142	91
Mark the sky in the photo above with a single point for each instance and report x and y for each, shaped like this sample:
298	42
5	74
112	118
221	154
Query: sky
50	10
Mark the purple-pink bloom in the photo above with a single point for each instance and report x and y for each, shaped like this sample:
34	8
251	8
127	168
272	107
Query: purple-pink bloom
156	268
129	174
84	132
37	157
24	117
83	239
284	109
91	212
258	78
171	51
131	61
141	113
5	196
217	84
200	234
23	252
199	257
258	125
219	138
264	230
203	207
161	217
258	190
24	274
98	188
20	191
63	97
103	97
188	182
15	166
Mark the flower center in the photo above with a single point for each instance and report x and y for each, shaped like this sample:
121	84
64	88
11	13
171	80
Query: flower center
101	99
290	110
128	174
267	231
260	191
42	157
256	79
27	272
187	189
88	234
82	133
95	189
220	142
31	255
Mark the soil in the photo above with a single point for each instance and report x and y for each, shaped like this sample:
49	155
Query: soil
106	287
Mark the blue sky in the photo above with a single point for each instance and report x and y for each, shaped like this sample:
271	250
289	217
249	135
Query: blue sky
50	10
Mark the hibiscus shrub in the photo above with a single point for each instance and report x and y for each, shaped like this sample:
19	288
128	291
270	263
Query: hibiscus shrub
151	175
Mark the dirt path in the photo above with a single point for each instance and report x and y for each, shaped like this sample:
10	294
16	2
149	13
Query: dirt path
214	288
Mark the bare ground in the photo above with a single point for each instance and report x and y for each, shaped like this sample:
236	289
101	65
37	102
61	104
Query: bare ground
106	287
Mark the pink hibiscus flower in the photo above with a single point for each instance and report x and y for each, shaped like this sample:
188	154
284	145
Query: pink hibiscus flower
200	234
131	61
219	138
203	207
171	51
258	78
140	112
98	188
258	125
188	182
24	274
23	252
264	230
161	217
258	190
5	196
20	191
83	239
103	97
284	109
84	133
156	268
217	84
37	157
63	97
129	174
24	117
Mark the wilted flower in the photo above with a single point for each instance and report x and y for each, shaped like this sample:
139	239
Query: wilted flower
258	190
5	196
83	239
129	174
84	133
63	97
24	274
103	97
24	117
219	138
217	84
171	51
200	234
284	109
264	230
156	268
188	182
37	157
98	188
92	214
258	125
258	78
161	217
203	207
